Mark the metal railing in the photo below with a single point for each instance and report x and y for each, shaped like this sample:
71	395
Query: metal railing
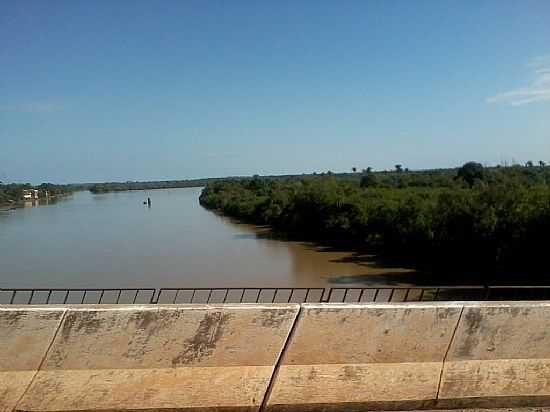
271	295
76	296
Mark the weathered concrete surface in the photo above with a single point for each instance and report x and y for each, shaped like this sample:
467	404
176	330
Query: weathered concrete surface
500	356
200	357
339	357
364	356
518	409
24	339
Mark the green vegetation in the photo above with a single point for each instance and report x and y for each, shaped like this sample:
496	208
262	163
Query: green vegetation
474	218
166	184
172	184
13	192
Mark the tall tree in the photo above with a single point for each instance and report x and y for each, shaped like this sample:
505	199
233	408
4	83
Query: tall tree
369	180
470	172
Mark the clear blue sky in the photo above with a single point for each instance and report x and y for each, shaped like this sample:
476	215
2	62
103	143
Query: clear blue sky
146	90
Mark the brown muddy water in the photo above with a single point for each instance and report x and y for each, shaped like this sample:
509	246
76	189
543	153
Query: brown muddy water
113	240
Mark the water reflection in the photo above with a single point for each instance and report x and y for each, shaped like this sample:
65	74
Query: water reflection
316	265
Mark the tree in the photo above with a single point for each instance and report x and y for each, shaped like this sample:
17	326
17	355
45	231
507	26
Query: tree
369	180
542	163
529	164
354	169
470	172
398	168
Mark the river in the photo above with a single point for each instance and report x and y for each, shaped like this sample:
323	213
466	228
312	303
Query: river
113	240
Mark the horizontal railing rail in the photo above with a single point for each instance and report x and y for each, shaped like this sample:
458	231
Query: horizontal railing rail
77	296
271	295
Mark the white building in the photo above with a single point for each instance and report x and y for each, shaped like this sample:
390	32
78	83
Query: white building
29	194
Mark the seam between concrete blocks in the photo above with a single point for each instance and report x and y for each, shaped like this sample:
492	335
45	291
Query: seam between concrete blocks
447	353
46	352
282	355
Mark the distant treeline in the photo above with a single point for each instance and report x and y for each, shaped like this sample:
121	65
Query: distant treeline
475	218
163	184
167	184
13	192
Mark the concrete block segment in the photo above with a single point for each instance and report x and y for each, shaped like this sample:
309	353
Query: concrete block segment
196	357
364	356
25	335
500	356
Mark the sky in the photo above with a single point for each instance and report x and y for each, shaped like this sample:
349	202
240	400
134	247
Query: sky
96	91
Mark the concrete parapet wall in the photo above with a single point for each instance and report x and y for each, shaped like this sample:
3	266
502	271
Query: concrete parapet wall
330	357
364	357
158	358
25	336
500	357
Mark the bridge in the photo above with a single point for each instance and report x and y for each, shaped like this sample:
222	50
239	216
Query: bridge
308	356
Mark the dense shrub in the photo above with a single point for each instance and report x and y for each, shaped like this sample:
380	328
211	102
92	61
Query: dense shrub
497	219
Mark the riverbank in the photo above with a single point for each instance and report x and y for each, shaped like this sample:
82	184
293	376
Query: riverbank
14	195
4	207
14	205
495	227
